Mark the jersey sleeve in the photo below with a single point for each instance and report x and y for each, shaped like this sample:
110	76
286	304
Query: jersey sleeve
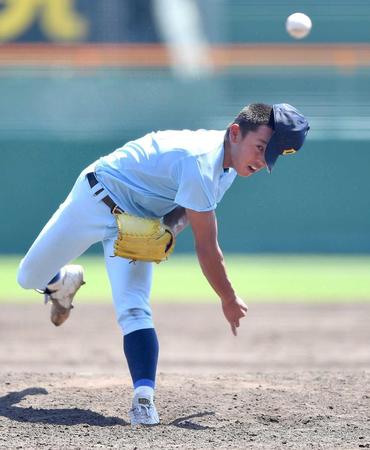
193	192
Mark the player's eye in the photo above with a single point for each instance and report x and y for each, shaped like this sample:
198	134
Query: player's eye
260	148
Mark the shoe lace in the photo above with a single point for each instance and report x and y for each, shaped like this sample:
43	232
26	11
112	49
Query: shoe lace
143	410
46	293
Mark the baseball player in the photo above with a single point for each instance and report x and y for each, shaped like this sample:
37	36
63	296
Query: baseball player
135	201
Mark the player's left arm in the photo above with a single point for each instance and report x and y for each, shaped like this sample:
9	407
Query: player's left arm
177	220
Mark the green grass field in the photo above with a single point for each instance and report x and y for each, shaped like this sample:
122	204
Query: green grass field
256	278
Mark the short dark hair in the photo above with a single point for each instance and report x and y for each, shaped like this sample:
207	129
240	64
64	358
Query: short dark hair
253	116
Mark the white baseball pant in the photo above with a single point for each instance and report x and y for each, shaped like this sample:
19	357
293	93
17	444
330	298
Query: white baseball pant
82	220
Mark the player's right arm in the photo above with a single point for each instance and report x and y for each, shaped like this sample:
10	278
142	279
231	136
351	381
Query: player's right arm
211	260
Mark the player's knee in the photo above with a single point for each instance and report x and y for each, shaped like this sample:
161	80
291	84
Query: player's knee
133	319
24	277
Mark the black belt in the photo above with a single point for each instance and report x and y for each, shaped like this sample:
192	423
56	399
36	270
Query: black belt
114	208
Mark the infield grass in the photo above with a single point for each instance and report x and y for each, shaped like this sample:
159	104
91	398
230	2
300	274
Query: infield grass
256	278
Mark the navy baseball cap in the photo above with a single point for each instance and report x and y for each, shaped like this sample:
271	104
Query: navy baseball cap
290	130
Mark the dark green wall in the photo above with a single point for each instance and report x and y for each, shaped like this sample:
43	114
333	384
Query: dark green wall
263	20
315	201
223	20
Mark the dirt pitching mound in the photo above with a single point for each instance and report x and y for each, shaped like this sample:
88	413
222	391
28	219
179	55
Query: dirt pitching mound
296	377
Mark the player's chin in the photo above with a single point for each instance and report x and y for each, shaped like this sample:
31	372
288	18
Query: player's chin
246	171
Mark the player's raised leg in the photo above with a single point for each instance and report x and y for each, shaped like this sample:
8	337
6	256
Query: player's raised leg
78	223
131	285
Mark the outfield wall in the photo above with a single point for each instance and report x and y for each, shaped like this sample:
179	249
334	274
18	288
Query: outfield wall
316	201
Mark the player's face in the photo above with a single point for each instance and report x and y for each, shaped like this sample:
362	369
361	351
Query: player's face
247	154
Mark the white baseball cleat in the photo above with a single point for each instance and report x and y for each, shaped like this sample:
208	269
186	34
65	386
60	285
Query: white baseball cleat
143	411
61	293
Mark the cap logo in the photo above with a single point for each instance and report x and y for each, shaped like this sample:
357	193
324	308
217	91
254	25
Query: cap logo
289	151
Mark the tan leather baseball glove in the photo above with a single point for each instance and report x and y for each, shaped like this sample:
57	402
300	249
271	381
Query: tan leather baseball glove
142	239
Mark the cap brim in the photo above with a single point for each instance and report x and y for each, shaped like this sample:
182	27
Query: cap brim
272	152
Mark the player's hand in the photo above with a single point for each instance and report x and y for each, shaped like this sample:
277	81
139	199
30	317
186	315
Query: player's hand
234	310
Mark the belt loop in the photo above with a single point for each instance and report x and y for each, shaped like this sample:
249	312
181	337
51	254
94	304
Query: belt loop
116	210
100	194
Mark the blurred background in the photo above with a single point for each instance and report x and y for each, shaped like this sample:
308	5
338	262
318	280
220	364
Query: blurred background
79	78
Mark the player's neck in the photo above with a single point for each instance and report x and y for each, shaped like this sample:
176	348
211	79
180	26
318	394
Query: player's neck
227	156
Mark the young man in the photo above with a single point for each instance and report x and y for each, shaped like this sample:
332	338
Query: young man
178	177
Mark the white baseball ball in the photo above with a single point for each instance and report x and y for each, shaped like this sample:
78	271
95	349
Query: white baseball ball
298	25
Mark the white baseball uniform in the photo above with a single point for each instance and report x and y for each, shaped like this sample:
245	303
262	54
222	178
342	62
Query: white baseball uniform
148	177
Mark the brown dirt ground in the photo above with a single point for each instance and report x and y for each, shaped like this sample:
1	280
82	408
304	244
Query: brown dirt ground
297	376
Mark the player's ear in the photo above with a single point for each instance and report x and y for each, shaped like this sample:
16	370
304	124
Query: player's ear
234	132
